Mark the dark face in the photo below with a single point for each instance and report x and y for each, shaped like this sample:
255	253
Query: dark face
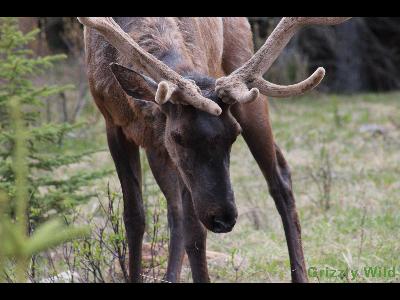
200	145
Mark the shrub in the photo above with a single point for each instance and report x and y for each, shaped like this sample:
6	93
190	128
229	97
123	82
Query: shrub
46	142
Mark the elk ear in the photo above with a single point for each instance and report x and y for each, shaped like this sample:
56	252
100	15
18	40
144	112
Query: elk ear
134	83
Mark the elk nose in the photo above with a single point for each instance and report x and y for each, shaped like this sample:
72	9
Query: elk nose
221	226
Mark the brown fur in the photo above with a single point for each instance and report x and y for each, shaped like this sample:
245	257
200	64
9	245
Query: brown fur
197	41
213	47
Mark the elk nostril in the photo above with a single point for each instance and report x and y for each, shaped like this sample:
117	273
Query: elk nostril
220	225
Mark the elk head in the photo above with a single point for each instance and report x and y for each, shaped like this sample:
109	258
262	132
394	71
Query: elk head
198	142
199	129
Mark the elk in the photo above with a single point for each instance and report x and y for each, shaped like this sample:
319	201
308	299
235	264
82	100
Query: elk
184	89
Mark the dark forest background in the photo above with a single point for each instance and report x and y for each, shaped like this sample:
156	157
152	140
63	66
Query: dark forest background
360	55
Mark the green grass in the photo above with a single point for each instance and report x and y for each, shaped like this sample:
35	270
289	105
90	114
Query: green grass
361	228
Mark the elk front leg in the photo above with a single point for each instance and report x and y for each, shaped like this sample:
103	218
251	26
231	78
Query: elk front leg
195	235
127	162
168	180
254	119
280	186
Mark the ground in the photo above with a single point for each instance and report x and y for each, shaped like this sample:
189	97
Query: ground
344	155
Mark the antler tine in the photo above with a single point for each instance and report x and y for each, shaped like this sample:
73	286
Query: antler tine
282	91
250	74
122	41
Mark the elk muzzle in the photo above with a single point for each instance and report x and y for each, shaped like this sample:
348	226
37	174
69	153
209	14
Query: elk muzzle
216	209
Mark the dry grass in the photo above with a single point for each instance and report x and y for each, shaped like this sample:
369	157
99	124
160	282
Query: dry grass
361	225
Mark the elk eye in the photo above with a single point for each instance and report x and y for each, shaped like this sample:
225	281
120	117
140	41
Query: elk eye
177	138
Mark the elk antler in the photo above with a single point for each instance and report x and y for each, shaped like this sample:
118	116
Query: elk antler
169	80
235	87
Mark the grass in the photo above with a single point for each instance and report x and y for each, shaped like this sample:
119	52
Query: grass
345	180
360	228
